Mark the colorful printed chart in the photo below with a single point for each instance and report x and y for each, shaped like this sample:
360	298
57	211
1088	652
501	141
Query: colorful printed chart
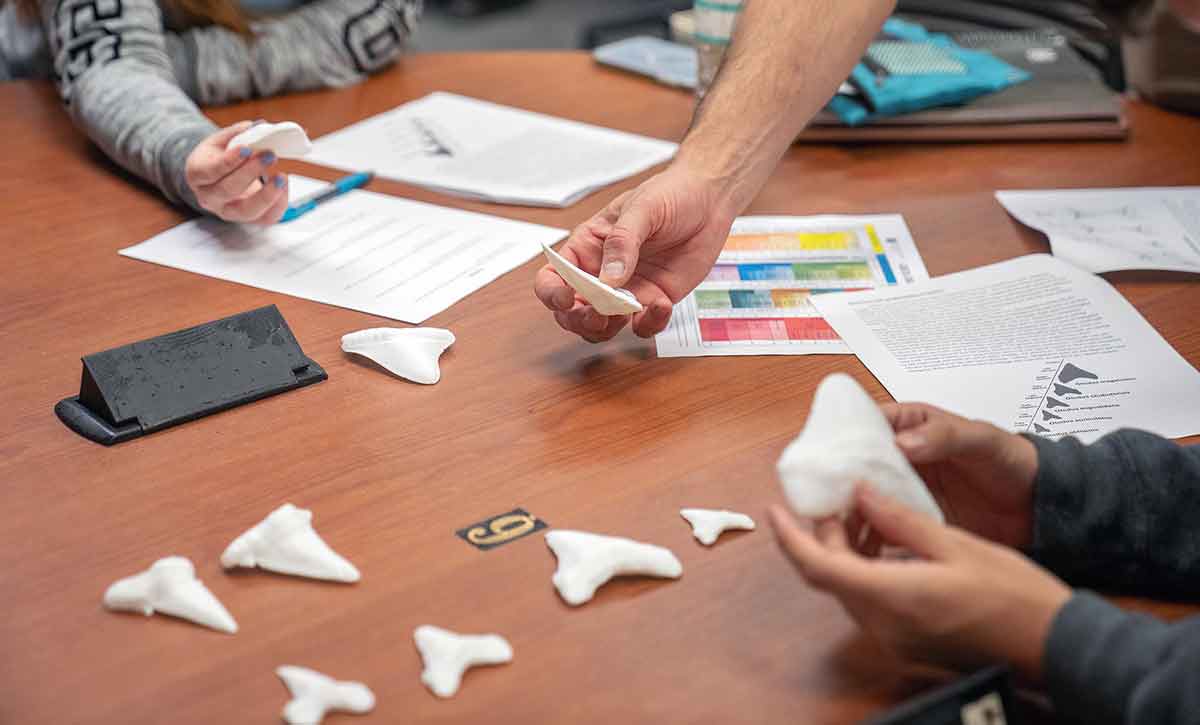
757	300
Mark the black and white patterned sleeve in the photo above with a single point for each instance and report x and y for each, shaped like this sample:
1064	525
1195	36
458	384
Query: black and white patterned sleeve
329	43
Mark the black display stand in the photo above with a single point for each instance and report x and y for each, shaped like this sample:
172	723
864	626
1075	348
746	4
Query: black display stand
982	698
146	386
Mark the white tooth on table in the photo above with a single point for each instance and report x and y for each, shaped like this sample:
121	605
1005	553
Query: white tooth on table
285	542
447	655
410	352
170	587
314	695
709	524
586	561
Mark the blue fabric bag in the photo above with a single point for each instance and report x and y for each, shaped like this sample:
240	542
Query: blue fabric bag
910	69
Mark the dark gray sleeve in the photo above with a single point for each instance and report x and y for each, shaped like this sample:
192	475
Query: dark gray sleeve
323	44
1104	666
117	82
1119	514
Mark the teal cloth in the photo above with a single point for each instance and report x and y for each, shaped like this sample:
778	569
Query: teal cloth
896	94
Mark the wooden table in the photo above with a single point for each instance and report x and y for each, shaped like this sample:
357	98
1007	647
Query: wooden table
605	438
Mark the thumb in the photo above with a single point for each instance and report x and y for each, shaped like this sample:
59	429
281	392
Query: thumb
936	439
623	244
901	526
221	138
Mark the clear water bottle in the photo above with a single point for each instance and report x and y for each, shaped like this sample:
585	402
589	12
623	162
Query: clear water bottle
715	21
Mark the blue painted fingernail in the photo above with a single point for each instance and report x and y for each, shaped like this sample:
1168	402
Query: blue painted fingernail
268	158
245	152
279	181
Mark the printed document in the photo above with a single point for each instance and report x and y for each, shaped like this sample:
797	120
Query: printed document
463	146
1033	345
757	300
371	252
1104	230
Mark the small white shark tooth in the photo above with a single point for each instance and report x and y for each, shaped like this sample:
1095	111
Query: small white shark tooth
447	655
845	441
285	542
605	299
170	586
708	525
410	352
286	140
586	561
315	694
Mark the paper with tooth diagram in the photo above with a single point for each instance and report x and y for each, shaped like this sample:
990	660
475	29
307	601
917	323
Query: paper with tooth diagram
757	300
845	441
447	655
472	148
370	252
170	586
314	695
285	542
1033	344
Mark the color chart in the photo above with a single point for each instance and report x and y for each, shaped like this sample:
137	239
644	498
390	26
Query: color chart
757	300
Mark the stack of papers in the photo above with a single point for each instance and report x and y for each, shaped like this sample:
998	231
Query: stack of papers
758	298
1032	345
365	251
1105	230
481	150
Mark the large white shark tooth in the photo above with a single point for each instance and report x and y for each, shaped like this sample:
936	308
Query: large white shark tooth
410	352
708	525
586	561
605	299
286	140
170	586
447	655
315	694
845	441
285	542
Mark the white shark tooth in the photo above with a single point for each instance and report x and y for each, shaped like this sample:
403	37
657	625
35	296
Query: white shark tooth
285	542
286	140
586	561
410	352
708	524
447	655
605	299
846	440
315	694
170	586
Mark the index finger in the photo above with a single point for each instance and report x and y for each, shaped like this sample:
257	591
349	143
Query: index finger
838	571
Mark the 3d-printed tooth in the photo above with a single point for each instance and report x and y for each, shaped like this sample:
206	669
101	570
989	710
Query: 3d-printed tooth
708	525
170	586
847	441
447	655
411	352
605	299
315	694
586	561
285	542
286	140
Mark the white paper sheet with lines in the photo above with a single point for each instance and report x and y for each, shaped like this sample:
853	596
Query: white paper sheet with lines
370	252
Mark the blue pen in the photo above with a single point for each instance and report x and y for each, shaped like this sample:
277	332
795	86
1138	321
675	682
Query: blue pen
305	204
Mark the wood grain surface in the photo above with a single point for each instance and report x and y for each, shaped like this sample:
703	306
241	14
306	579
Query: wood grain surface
604	438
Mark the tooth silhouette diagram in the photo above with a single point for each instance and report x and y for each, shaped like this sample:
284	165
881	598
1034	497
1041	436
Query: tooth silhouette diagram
1047	415
447	655
1064	390
1040	428
285	542
1071	373
1055	403
315	694
170	586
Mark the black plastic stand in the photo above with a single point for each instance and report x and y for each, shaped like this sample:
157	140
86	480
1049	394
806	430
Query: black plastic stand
982	698
146	386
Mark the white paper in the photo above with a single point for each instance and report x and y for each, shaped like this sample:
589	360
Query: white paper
758	298
481	150
1033	345
370	252
1104	230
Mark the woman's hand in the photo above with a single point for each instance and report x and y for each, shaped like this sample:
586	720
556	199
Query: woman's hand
235	184
962	602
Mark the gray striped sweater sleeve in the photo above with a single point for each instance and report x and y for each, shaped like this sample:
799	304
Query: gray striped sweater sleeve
132	86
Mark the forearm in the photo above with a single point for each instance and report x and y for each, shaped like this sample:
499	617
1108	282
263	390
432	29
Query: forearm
1119	513
786	61
331	43
1103	665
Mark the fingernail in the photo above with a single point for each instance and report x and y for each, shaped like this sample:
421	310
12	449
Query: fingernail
279	181
267	158
244	152
614	270
909	439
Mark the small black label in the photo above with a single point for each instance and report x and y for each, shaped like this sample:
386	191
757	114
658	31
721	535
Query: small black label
501	529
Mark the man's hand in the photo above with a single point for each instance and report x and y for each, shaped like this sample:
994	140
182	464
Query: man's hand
962	603
659	241
235	184
981	476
